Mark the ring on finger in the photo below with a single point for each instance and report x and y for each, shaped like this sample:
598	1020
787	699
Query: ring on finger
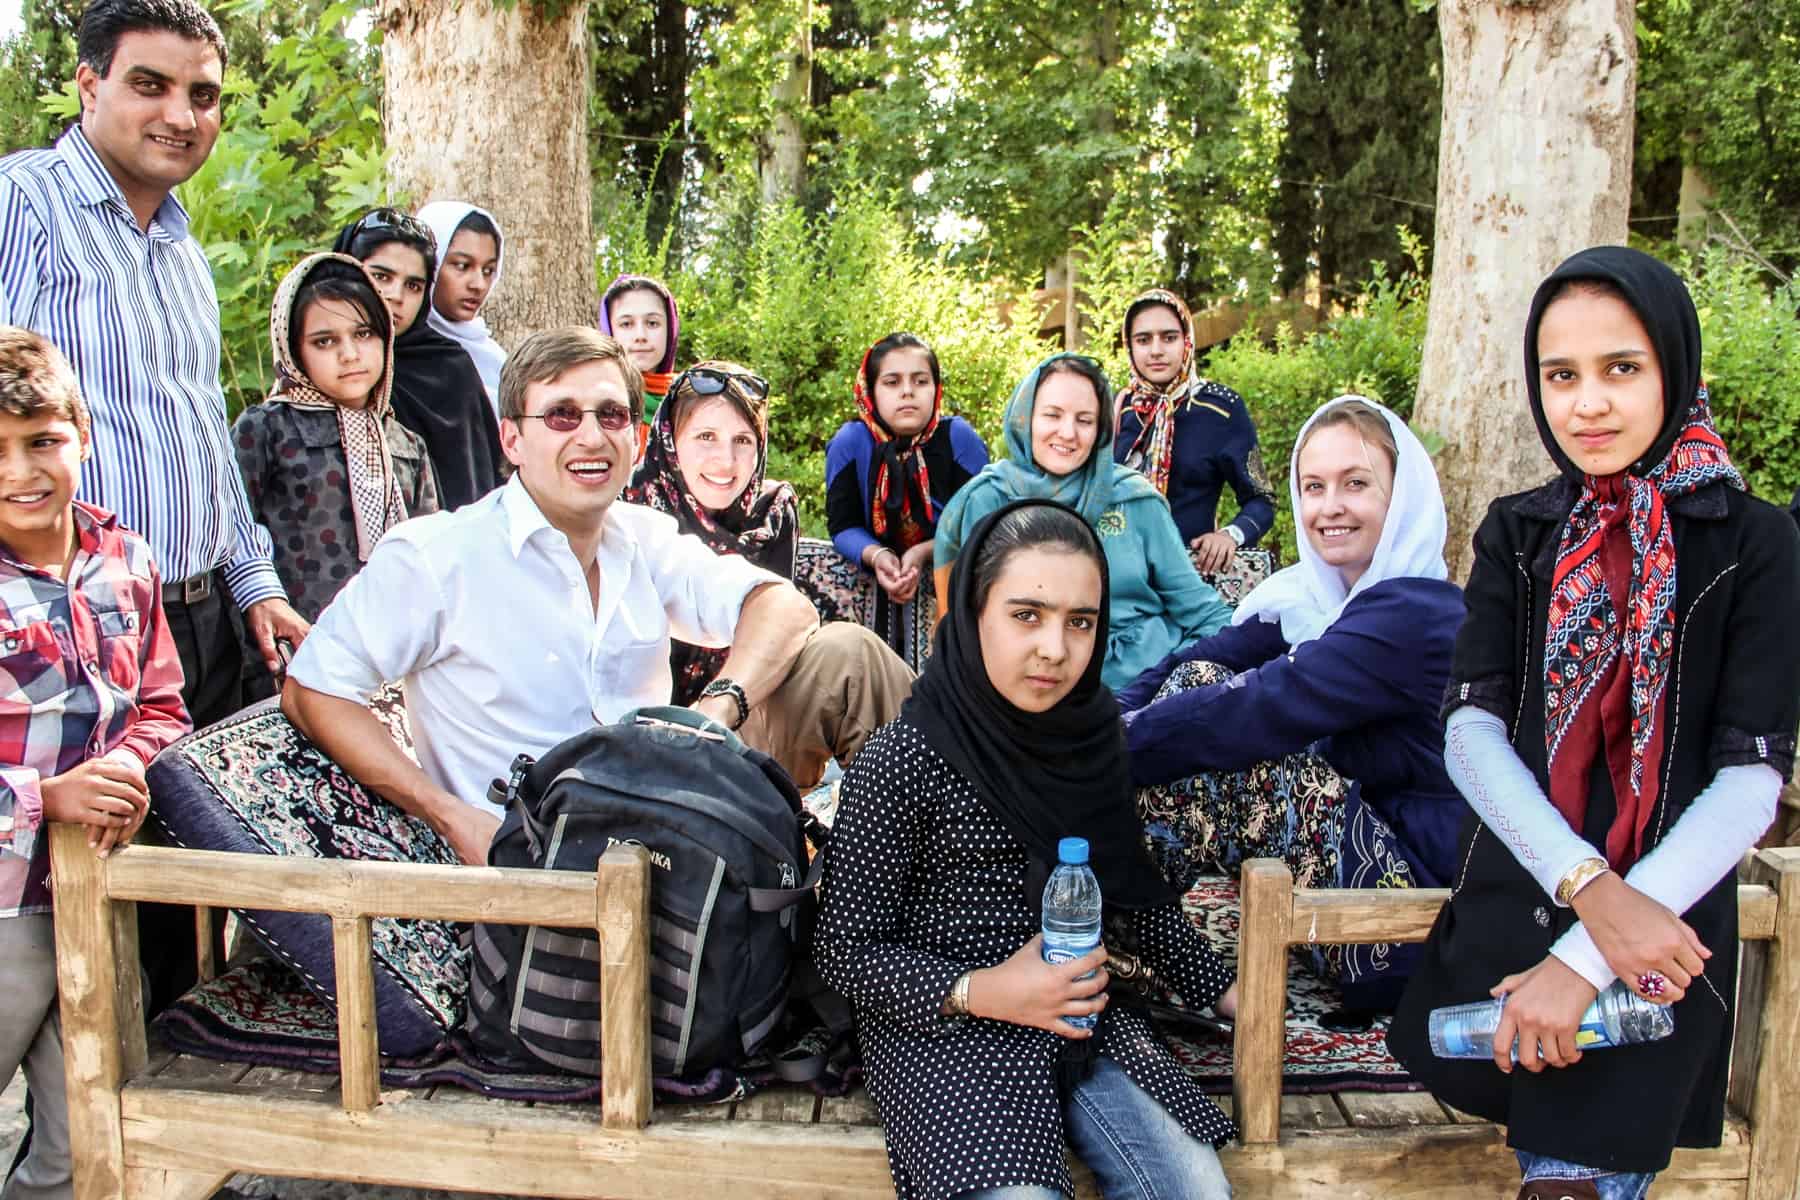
1652	984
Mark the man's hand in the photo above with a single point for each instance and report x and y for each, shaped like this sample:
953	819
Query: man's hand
275	618
107	794
469	830
1215	551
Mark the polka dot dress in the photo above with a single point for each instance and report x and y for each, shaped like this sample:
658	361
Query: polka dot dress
299	488
922	883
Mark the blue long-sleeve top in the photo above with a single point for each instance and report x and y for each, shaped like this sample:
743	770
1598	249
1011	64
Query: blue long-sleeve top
954	455
1364	694
1215	445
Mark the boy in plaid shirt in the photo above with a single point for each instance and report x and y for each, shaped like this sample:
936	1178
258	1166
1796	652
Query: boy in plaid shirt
90	690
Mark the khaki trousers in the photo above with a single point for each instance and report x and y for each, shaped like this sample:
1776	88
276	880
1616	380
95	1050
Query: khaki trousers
846	684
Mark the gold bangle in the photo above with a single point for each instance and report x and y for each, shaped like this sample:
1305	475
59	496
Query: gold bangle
958	1002
1579	876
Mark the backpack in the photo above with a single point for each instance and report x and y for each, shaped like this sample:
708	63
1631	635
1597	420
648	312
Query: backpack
731	896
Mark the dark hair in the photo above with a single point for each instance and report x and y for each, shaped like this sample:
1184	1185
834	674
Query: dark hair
476	223
627	284
892	342
1044	526
683	398
1592	287
1137	309
380	226
35	379
332	280
106	21
1086	368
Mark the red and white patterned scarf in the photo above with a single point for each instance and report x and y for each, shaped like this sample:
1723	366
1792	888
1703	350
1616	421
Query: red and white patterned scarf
1157	404
1610	637
900	480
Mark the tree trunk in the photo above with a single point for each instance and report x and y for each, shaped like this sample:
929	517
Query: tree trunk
1534	163
489	105
1696	198
782	162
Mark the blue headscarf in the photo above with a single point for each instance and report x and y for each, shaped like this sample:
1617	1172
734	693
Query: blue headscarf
1097	485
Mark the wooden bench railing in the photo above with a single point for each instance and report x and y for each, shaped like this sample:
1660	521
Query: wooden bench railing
1765	1067
176	1142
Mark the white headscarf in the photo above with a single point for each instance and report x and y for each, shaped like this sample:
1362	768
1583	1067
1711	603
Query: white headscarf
443	216
1308	596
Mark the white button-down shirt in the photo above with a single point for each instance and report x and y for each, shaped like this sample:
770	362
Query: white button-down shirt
485	615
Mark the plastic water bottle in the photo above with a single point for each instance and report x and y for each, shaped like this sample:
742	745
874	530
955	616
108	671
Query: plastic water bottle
1072	911
1617	1017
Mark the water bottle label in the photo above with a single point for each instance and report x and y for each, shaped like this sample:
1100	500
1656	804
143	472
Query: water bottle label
1591	1035
1060	954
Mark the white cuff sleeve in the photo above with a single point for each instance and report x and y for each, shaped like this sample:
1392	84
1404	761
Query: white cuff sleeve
1505	795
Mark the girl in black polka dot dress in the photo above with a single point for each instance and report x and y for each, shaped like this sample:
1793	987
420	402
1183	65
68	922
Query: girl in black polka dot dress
946	834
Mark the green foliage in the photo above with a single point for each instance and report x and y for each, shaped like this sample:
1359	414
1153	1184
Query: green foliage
1750	335
1359	155
1719	90
799	298
1374	350
300	154
39	59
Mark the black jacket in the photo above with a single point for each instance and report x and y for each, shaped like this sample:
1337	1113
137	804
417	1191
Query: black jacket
1733	699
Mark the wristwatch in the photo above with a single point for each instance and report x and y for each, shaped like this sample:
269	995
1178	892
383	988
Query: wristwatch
1236	535
730	687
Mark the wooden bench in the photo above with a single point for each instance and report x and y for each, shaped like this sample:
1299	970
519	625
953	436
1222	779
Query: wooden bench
149	1127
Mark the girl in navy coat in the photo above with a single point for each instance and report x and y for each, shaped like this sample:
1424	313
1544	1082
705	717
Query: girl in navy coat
1307	729
890	472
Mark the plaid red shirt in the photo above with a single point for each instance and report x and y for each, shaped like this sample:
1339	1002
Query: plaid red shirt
87	667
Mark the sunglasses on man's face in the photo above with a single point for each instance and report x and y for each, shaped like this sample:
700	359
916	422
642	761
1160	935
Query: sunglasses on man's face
708	381
566	418
396	222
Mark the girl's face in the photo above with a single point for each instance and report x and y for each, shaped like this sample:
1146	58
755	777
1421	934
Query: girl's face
641	324
1345	487
1601	383
1065	421
904	390
470	265
716	449
1157	343
340	351
399	274
1038	625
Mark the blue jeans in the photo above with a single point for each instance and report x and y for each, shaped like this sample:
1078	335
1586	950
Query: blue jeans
1613	1185
1133	1146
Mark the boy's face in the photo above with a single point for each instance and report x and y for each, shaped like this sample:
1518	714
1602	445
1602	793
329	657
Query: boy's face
40	467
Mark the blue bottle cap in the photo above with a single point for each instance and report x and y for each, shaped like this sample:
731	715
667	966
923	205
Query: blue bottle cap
1072	850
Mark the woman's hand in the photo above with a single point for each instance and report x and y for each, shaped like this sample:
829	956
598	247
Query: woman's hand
891	574
916	563
1637	935
1215	551
1543	1010
1026	990
1226	1005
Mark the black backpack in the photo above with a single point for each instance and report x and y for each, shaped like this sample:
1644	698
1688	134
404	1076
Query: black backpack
731	896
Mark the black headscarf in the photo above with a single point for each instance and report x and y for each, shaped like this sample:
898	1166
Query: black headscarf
438	393
1661	301
1046	776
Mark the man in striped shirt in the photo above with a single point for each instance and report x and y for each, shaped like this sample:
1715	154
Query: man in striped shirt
95	255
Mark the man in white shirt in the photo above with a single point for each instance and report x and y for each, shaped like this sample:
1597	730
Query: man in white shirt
524	618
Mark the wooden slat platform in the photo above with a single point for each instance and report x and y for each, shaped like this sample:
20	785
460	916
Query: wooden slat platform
1359	1144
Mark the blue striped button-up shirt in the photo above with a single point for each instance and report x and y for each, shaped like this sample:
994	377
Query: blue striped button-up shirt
136	314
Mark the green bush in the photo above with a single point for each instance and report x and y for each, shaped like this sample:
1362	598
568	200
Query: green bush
1750	339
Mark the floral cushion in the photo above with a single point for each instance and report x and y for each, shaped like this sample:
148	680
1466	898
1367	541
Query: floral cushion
253	784
1248	568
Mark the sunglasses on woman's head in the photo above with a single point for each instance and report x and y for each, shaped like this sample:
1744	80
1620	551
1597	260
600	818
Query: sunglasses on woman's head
395	221
710	381
566	418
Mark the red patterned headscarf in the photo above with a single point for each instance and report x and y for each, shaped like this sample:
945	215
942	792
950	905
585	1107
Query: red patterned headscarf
899	490
1156	404
1610	637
